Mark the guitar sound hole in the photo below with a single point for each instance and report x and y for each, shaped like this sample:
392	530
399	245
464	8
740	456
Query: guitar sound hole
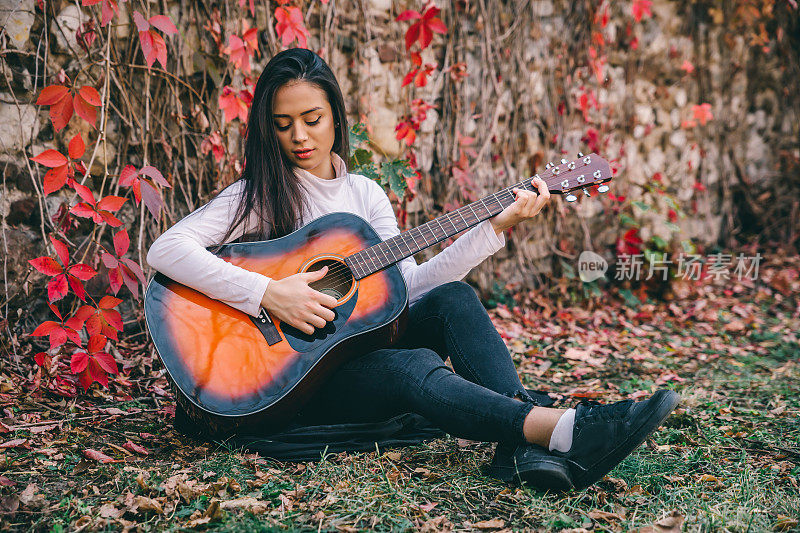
337	282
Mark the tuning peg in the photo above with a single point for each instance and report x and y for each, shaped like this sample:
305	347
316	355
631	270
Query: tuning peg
571	197
548	165
580	154
603	188
586	192
563	161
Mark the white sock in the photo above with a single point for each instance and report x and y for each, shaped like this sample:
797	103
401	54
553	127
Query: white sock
561	439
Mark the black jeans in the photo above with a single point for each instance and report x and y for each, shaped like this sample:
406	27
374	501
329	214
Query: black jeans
475	402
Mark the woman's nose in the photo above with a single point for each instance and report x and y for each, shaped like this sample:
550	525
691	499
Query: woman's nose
299	134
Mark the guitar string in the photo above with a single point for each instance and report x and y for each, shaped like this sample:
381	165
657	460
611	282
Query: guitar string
340	273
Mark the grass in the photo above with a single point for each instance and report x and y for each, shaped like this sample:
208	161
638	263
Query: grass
727	460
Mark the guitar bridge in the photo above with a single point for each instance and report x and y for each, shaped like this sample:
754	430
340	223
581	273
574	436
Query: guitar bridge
267	328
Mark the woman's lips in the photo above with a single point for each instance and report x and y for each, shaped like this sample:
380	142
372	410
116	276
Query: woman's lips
304	155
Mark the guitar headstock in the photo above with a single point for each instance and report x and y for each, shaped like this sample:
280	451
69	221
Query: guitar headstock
569	176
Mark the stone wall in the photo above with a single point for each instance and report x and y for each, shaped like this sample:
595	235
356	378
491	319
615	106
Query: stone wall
528	64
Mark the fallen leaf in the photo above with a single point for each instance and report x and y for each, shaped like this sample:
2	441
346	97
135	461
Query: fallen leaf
143	503
785	523
247	503
494	523
109	510
29	498
132	447
428	506
42	429
16	443
605	516
670	523
9	504
97	456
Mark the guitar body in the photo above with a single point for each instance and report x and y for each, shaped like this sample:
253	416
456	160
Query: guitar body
231	369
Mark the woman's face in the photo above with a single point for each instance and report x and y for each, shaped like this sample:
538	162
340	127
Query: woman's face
303	121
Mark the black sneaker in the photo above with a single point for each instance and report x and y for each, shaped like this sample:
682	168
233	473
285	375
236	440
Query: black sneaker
605	434
530	464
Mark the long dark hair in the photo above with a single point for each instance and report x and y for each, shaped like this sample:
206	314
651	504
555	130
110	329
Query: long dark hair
271	188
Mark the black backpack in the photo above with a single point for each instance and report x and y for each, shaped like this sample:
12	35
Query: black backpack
299	442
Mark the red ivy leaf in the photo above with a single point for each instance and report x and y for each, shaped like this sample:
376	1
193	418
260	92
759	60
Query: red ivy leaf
77	287
408	14
76	147
54	179
46	265
78	362
84	109
121	242
109	9
702	113
422	31
111	203
57	288
155	174
60	102
290	25
51	158
52	94
90	96
641	9
82	271
163	23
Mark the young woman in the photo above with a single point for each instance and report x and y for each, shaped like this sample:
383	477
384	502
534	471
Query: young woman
294	172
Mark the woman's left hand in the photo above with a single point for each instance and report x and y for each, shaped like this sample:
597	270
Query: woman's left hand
527	205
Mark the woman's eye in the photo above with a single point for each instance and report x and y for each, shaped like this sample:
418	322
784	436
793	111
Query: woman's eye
284	128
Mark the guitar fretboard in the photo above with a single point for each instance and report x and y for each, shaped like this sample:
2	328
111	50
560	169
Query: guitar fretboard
409	242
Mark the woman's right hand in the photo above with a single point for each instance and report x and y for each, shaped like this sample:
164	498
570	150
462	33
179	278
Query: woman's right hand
291	300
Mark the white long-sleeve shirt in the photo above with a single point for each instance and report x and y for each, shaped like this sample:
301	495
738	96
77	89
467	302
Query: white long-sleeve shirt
180	252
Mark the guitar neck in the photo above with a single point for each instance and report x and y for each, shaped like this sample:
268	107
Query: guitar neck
409	242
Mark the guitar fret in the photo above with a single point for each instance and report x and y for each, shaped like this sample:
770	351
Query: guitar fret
466	224
357	266
410	232
477	218
483	204
450	220
440	226
384	247
371	260
389	247
423	235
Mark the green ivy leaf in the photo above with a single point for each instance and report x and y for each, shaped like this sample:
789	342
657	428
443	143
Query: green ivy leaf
659	242
369	170
628	221
641	205
688	247
569	271
394	174
357	135
672	226
362	157
630	299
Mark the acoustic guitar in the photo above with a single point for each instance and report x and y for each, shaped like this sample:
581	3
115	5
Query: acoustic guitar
229	369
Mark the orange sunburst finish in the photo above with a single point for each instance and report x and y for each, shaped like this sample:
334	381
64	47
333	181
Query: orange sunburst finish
221	360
